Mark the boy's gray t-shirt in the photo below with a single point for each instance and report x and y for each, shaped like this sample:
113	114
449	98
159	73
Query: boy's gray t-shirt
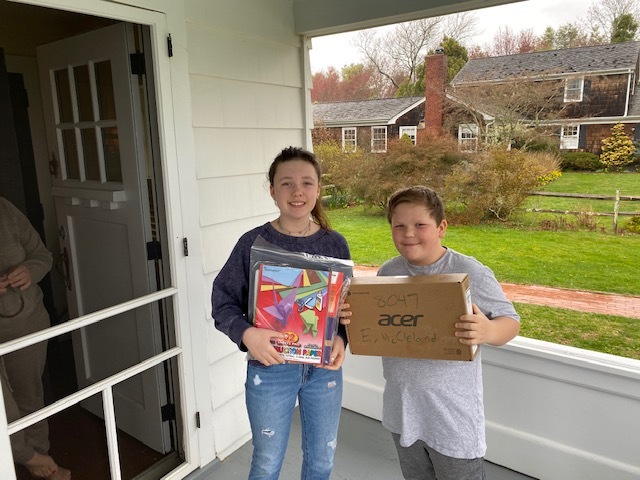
440	401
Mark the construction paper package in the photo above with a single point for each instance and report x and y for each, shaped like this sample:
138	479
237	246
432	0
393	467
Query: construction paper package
298	294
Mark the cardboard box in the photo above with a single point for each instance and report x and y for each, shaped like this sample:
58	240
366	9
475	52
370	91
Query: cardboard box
409	316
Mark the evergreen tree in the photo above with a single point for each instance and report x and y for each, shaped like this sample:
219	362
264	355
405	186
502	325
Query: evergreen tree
618	149
624	28
456	54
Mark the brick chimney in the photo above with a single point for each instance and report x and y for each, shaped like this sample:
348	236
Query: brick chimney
435	71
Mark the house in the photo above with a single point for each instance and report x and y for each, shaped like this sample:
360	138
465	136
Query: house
368	124
577	94
138	133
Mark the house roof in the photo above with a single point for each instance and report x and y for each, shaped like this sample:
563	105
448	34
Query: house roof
383	111
616	57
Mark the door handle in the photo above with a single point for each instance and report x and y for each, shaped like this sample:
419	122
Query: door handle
53	165
62	265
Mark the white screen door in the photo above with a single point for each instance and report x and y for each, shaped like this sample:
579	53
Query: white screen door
99	185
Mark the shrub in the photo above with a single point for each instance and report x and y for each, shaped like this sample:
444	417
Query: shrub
633	225
539	141
372	177
495	183
548	178
618	150
580	161
340	169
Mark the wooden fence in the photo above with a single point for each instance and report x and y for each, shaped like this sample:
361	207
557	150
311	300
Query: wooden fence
616	204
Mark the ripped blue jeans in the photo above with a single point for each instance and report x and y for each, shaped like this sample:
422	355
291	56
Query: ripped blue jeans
271	394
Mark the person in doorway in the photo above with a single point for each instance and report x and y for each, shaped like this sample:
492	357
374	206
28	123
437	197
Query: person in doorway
273	386
434	408
24	261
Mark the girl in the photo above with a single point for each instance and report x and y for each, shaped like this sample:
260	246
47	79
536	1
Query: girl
273	386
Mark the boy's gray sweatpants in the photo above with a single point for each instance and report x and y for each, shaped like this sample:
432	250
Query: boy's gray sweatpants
421	462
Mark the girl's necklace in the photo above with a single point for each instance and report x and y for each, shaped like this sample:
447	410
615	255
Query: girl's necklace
301	233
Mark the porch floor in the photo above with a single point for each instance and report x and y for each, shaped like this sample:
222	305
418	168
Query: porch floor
365	452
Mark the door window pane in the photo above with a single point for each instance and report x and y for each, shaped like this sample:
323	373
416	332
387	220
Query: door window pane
63	94
104	88
70	154
90	154
111	146
83	93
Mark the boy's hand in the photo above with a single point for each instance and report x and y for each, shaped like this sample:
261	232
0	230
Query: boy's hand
337	354
345	314
476	329
258	341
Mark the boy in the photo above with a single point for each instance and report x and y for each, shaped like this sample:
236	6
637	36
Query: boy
434	408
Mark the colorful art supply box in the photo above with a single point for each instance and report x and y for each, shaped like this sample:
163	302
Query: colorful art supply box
303	304
409	316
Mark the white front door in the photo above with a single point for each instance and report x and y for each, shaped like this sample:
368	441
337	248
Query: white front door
102	205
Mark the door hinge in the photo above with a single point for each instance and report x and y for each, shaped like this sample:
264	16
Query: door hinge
137	63
185	246
168	412
197	419
154	251
170	46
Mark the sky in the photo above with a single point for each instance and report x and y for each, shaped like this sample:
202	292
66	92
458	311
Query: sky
336	50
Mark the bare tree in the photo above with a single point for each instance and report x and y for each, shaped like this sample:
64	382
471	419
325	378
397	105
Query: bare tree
513	112
397	54
508	42
461	27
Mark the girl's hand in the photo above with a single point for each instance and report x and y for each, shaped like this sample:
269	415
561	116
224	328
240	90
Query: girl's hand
345	314
337	354
258	341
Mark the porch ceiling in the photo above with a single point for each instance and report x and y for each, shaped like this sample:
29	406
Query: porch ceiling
312	17
326	17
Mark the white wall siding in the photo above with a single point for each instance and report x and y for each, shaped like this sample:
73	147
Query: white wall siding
233	369
246	104
247	157
223	54
246	74
270	21
231	426
233	199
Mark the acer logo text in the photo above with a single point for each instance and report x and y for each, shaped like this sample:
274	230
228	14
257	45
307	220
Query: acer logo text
398	320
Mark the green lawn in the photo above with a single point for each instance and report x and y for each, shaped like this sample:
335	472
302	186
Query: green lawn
600	183
570	259
592	183
601	333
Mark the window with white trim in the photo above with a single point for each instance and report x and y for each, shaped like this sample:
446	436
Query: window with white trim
379	139
569	137
573	89
410	132
349	139
468	137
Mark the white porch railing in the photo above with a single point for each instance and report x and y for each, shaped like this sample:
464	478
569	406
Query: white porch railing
553	412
